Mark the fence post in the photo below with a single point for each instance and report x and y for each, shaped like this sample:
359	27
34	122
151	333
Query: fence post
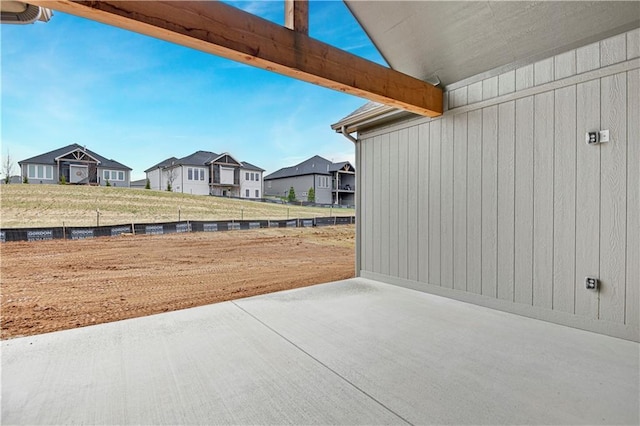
97	217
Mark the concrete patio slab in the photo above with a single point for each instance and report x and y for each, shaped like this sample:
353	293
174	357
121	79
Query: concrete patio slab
208	365
354	351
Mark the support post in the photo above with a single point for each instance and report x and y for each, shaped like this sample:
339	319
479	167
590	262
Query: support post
296	15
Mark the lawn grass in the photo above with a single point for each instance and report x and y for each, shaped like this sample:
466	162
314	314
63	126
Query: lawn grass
51	205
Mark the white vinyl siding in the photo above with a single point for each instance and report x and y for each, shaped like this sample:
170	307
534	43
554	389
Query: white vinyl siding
39	171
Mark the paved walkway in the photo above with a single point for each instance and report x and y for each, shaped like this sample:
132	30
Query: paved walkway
350	352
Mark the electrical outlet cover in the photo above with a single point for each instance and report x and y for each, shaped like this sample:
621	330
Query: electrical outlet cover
604	136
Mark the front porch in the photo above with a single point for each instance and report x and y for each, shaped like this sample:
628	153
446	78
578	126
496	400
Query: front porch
348	352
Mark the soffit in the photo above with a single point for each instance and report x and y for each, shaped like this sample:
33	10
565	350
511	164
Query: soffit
452	41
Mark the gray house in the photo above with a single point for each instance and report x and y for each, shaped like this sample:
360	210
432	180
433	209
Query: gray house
78	165
333	183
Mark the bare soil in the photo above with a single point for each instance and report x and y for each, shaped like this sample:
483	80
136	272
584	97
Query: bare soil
55	285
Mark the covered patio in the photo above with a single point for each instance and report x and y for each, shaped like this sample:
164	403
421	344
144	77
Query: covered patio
349	352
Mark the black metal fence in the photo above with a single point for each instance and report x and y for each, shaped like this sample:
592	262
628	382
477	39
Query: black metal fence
79	233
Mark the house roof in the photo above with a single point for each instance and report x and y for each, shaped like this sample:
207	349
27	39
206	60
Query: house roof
199	158
315	165
338	166
249	166
164	163
50	157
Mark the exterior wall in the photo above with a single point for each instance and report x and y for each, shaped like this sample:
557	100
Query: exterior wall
301	184
500	202
54	174
121	183
251	185
191	186
156	180
324	194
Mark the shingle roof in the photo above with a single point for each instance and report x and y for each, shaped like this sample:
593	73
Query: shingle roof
198	158
164	163
250	166
50	157
314	165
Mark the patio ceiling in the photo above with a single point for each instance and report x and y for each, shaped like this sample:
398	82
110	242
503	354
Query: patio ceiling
452	41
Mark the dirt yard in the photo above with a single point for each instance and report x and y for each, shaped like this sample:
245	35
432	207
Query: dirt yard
55	285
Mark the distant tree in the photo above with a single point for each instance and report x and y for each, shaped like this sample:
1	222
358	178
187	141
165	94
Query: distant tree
292	195
25	179
7	168
311	195
172	175
108	183
148	184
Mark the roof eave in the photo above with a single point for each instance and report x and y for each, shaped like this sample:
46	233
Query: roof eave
377	115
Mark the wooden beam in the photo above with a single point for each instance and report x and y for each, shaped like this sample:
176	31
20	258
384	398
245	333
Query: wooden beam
296	15
223	30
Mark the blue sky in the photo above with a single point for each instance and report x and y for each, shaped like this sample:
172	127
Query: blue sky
140	100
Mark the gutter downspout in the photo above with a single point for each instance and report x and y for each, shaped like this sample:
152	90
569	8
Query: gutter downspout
358	262
343	131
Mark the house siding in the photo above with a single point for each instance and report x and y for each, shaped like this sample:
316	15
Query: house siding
24	171
300	184
251	185
121	183
509	208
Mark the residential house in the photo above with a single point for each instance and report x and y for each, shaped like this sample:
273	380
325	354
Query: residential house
207	173
333	183
78	165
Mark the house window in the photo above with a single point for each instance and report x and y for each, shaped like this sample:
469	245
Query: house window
189	174
257	193
247	193
257	177
246	176
116	175
252	176
201	174
269	184
37	171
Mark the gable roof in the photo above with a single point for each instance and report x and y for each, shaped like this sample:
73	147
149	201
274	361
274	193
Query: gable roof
315	165
249	166
338	166
50	157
